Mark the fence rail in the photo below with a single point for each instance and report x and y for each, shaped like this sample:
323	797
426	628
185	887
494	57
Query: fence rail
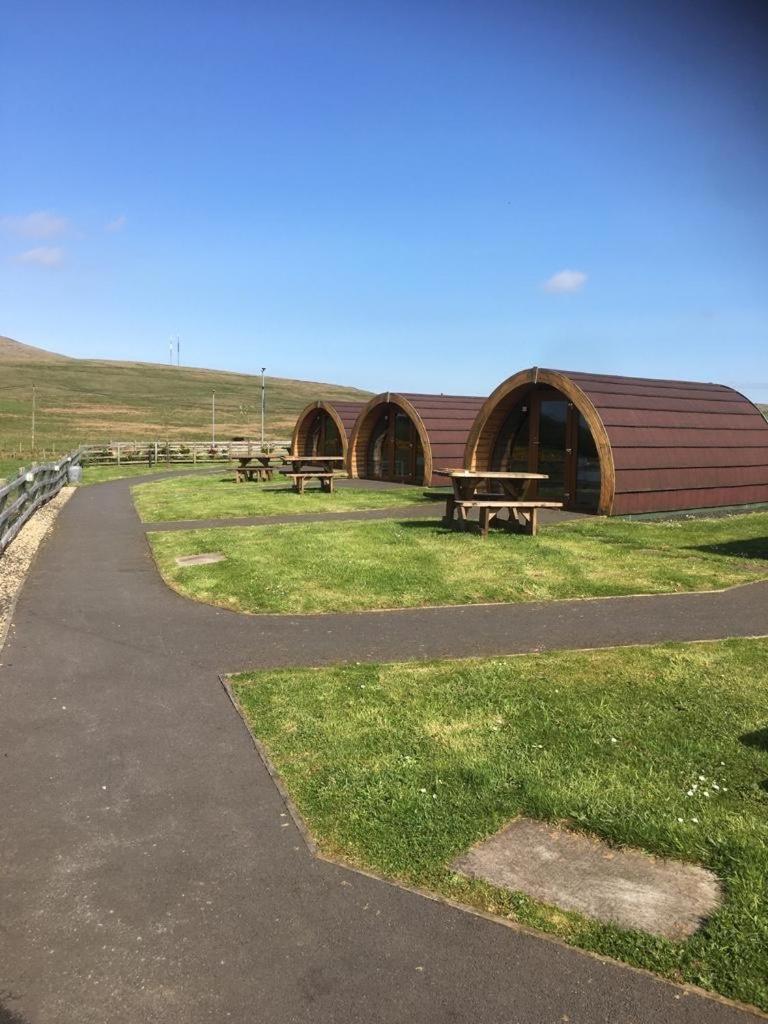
118	453
22	497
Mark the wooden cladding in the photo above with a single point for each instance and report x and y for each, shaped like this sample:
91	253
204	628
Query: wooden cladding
664	445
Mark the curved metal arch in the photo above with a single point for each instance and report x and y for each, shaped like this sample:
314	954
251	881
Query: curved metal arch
365	420
562	383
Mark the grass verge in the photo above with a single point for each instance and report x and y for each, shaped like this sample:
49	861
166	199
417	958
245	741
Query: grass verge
217	497
103	474
322	567
398	768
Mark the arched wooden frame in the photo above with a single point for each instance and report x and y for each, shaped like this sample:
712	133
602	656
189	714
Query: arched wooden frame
357	453
496	408
301	430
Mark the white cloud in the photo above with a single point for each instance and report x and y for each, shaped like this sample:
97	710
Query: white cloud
565	281
40	224
44	256
117	224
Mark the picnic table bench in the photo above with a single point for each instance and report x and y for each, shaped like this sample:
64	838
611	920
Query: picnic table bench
312	467
325	477
521	509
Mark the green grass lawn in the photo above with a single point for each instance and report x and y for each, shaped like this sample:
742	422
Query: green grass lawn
95	474
9	468
323	567
103	474
399	768
219	497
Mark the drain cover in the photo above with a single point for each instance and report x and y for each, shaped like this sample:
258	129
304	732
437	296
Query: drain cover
578	872
208	558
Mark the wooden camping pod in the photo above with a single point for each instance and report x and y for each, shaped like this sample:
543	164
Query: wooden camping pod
325	420
662	445
434	437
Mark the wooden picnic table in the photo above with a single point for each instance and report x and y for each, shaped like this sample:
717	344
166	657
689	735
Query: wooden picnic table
246	469
325	462
303	468
467	494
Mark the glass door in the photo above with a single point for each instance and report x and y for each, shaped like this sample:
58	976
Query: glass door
324	437
403	443
551	445
585	493
546	433
378	467
394	451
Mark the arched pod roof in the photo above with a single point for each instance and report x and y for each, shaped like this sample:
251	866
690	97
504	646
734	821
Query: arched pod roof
343	415
443	423
664	445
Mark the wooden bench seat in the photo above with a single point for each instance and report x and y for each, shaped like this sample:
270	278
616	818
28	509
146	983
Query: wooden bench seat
300	479
522	514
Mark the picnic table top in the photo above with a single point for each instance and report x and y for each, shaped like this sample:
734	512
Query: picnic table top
488	474
313	458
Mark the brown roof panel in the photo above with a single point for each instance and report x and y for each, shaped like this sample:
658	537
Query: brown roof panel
679	444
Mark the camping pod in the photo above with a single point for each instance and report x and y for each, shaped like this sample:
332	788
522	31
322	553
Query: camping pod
624	445
405	438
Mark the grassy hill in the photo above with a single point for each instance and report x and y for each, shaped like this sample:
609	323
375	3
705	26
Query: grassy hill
96	400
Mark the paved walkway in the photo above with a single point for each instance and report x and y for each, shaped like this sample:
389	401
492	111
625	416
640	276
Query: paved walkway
150	870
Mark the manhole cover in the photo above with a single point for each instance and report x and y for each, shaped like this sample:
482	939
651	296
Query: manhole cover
208	558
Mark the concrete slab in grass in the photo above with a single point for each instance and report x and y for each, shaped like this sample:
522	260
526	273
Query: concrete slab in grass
577	872
207	558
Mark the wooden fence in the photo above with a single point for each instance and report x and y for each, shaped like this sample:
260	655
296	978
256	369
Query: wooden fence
118	453
22	497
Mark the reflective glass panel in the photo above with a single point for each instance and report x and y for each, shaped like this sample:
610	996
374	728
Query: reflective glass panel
378	450
552	432
587	468
510	453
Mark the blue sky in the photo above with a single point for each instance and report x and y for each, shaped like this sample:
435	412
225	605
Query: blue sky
415	196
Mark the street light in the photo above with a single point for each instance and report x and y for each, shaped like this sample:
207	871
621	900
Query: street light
263	404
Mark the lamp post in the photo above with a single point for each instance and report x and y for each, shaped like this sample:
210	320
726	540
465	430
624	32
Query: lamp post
213	417
263	405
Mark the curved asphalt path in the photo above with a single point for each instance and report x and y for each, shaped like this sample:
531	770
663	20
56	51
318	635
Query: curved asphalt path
150	871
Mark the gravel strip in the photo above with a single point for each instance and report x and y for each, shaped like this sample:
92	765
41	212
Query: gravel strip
18	557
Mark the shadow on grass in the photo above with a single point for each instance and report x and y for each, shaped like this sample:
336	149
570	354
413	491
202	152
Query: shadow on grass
758	740
427	524
753	547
